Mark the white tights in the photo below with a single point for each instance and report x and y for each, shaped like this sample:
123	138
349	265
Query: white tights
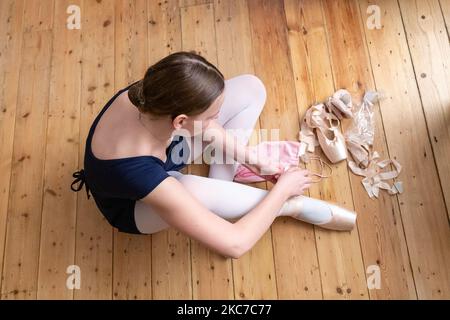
245	97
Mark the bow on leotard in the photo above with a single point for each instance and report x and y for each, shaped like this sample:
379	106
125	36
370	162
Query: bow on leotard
81	178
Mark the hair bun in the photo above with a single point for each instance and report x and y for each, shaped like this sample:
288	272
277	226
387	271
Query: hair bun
136	94
140	92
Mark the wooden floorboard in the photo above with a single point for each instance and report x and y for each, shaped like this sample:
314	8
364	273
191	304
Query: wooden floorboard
21	254
11	16
381	233
445	9
422	206
430	53
57	243
55	81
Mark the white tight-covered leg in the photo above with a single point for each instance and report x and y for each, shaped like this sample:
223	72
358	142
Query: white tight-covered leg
231	200
245	97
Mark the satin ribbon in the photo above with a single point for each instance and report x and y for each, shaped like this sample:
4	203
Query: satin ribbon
307	137
374	176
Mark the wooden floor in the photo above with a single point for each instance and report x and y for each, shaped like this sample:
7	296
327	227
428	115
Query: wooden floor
54	81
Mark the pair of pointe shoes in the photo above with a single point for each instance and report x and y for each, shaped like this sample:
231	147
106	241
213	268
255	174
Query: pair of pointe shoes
325	119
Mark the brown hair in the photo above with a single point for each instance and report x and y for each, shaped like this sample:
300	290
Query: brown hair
182	82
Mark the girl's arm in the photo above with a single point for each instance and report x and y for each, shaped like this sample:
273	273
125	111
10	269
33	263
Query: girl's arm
224	141
178	208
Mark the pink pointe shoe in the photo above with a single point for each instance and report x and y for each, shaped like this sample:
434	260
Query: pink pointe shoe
329	137
321	213
341	220
340	103
332	143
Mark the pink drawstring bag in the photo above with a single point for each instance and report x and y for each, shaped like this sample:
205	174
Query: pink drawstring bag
285	153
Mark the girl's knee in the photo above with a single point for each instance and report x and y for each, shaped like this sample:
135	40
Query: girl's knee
257	88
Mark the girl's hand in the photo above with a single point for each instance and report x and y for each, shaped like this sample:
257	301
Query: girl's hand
294	181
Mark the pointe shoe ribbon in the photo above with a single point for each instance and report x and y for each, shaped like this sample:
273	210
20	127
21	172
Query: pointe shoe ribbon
366	162
359	150
375	175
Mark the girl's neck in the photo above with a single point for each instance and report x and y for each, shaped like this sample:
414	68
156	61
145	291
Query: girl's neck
157	130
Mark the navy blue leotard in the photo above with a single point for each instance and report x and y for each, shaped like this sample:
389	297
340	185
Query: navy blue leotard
116	184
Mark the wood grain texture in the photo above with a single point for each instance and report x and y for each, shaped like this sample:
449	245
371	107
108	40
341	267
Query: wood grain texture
445	9
430	53
187	3
21	254
57	243
25	200
38	15
11	15
379	222
422	206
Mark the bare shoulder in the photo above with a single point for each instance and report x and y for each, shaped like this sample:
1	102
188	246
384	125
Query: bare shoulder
117	134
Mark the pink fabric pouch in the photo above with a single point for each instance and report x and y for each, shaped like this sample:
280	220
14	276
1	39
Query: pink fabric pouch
285	153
